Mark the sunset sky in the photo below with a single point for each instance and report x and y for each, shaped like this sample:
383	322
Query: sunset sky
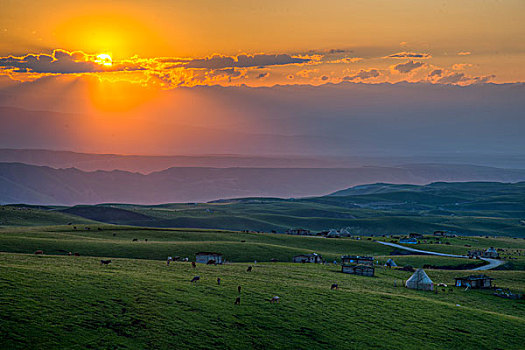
144	62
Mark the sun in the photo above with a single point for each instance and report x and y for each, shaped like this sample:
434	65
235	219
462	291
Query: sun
104	59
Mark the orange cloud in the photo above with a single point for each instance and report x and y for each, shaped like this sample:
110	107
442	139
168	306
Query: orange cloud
403	55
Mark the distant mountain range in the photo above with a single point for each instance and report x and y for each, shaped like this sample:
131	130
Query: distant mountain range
30	184
145	164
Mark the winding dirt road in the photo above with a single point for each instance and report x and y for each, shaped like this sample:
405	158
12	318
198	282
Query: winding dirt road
492	263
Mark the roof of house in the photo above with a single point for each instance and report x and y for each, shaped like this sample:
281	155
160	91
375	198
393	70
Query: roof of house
308	255
357	257
474	278
491	250
207	253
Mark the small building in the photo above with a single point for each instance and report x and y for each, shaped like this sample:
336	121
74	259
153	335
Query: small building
308	258
408	240
208	258
298	231
415	235
420	280
361	270
491	253
357	260
474	281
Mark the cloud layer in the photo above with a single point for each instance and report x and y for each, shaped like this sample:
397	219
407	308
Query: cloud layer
262	69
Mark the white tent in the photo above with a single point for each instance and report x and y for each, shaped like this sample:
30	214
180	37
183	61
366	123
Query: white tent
420	280
390	262
344	232
332	234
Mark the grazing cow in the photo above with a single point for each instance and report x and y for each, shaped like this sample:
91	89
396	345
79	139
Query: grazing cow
193	264
237	301
239	289
249	269
114	234
195	279
77	254
74	227
334	286
275	300
98	228
105	262
145	239
39	252
135	240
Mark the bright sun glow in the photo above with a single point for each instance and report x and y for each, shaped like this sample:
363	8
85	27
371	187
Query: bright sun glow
104	59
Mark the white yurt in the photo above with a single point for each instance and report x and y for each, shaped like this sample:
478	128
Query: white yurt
420	280
332	234
390	262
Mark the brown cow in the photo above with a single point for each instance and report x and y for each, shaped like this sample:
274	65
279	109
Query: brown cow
105	262
39	252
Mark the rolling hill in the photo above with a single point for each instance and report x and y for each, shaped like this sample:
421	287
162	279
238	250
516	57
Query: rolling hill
471	208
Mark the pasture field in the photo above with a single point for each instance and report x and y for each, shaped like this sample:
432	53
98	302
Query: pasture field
64	302
56	301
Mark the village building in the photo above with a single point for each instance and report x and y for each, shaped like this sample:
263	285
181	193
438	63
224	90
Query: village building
208	258
361	270
357	260
298	231
420	280
444	234
308	258
408	240
357	265
415	235
489	253
474	281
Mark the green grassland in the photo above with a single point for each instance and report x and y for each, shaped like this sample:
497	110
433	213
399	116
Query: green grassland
61	302
57	301
36	216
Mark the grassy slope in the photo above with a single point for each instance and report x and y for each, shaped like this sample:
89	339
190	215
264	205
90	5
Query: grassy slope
177	242
33	216
468	208
74	303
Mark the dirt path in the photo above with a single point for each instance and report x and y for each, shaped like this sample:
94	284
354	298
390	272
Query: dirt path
492	263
